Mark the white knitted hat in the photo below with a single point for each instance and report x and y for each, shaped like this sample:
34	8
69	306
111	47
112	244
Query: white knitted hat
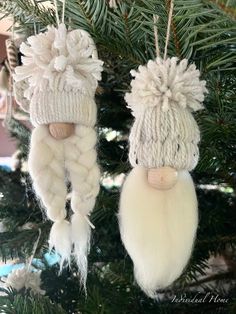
163	95
62	69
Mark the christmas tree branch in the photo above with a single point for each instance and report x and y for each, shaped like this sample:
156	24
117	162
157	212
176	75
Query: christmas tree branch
230	11
223	239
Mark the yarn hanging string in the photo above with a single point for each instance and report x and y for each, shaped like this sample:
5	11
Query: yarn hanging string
34	250
57	13
156	39
11	64
155	20
170	14
9	100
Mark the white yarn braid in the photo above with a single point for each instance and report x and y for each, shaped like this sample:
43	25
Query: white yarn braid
77	156
48	175
84	175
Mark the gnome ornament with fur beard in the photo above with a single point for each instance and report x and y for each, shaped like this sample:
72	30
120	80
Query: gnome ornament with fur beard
56	83
158	212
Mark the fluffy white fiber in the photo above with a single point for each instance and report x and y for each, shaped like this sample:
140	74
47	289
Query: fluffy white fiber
158	228
23	278
166	83
51	163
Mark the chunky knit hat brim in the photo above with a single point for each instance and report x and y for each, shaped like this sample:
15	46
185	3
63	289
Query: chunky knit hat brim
170	138
60	106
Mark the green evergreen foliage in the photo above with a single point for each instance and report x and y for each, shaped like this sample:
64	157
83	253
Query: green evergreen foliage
205	33
18	303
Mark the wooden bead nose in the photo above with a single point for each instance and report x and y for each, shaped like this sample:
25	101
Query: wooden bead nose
61	131
163	178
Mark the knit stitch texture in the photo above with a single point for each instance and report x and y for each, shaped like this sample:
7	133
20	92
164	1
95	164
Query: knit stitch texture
164	133
62	69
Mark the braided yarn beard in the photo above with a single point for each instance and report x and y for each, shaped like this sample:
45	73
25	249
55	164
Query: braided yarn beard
51	164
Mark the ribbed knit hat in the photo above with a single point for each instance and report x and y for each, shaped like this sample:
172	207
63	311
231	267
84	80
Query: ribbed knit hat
61	69
164	133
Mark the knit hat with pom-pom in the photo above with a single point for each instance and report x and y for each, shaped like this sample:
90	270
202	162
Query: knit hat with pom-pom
61	70
163	95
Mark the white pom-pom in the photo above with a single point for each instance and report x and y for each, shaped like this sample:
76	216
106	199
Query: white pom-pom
60	57
60	63
23	278
166	83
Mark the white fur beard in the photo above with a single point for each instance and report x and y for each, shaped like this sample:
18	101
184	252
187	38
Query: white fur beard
158	228
51	162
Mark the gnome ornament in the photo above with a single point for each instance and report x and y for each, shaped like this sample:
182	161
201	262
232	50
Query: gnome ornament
158	212
59	74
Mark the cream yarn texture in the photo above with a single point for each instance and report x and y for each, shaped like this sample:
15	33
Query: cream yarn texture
57	83
50	163
158	227
162	97
61	68
24	279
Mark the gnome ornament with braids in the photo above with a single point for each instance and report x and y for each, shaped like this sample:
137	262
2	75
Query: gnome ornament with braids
57	80
158	207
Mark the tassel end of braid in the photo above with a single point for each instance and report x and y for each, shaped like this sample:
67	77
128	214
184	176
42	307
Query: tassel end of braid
60	240
80	233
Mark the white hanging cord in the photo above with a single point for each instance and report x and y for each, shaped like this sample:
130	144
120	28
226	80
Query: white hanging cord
34	250
13	29
155	19
168	27
63	11
9	98
56	11
35	29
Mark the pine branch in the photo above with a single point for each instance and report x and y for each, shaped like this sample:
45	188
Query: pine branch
28	13
19	244
224	239
230	11
23	303
197	283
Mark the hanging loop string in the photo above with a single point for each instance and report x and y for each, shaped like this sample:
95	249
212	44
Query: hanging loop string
155	19
35	29
9	99
56	11
168	27
34	250
63	12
